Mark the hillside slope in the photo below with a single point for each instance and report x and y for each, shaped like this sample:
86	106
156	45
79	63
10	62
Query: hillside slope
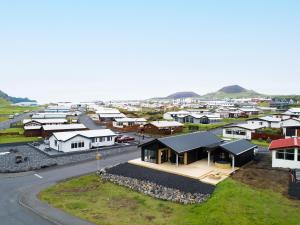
7	98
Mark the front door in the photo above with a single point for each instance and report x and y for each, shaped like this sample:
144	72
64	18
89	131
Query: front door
164	156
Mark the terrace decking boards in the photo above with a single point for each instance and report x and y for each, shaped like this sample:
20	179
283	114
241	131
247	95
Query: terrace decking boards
169	180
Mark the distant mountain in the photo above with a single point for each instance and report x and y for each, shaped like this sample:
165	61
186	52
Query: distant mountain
232	91
6	98
185	94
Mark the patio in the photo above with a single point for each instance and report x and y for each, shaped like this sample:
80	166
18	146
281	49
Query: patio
198	170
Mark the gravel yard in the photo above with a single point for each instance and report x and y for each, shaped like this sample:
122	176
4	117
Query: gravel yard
33	159
181	183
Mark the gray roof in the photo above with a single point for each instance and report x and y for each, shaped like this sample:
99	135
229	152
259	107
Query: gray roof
238	147
187	142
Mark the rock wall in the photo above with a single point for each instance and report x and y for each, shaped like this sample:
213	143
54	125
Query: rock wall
154	190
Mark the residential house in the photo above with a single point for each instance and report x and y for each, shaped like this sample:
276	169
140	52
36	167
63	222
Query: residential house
81	140
188	148
250	111
266	121
173	115
50	116
127	122
199	118
240	131
286	153
33	127
162	127
291	127
292	113
47	130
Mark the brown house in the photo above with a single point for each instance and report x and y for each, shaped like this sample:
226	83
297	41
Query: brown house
46	131
163	127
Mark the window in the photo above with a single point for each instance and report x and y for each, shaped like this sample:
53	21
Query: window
280	154
298	154
109	138
55	142
260	123
287	154
290	154
80	144
149	155
228	132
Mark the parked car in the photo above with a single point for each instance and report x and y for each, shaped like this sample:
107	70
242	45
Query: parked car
11	116
124	139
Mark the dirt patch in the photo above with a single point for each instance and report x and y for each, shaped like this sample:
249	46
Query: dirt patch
119	202
260	174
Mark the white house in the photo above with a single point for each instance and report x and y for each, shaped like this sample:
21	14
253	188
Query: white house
40	122
81	140
293	112
266	121
286	153
49	115
125	122
250	111
199	118
291	127
173	115
240	131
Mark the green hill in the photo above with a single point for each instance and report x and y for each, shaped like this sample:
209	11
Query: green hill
232	91
6	99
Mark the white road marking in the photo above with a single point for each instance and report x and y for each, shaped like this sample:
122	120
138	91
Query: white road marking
39	176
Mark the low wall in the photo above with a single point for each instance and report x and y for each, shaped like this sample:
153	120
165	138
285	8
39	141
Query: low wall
154	190
264	136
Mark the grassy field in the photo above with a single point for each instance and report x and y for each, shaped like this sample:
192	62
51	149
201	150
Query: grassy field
201	127
261	143
11	136
232	203
7	109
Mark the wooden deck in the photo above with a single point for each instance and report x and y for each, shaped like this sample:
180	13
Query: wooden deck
198	170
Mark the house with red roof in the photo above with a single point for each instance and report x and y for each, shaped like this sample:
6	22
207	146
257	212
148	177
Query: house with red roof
286	153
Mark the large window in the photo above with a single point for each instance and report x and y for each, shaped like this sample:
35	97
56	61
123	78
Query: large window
79	144
149	156
286	154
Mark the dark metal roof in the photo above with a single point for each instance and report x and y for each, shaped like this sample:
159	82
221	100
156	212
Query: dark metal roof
187	142
238	147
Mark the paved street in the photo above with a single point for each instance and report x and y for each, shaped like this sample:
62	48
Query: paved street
89	123
6	124
23	187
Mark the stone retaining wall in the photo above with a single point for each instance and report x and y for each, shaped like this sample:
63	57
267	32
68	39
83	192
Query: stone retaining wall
154	190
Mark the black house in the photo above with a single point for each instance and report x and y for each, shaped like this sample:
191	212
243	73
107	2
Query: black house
189	148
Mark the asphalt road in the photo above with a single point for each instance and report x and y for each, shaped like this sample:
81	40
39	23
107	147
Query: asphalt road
19	189
89	123
6	124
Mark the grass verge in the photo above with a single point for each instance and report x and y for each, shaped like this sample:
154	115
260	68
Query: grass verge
232	203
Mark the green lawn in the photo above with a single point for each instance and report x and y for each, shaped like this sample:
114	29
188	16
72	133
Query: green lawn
202	127
11	138
232	203
261	143
7	109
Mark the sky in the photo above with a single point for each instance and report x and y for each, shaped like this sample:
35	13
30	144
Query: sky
59	50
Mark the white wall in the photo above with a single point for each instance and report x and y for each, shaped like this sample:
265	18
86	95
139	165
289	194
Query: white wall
282	163
66	146
235	136
104	143
259	123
